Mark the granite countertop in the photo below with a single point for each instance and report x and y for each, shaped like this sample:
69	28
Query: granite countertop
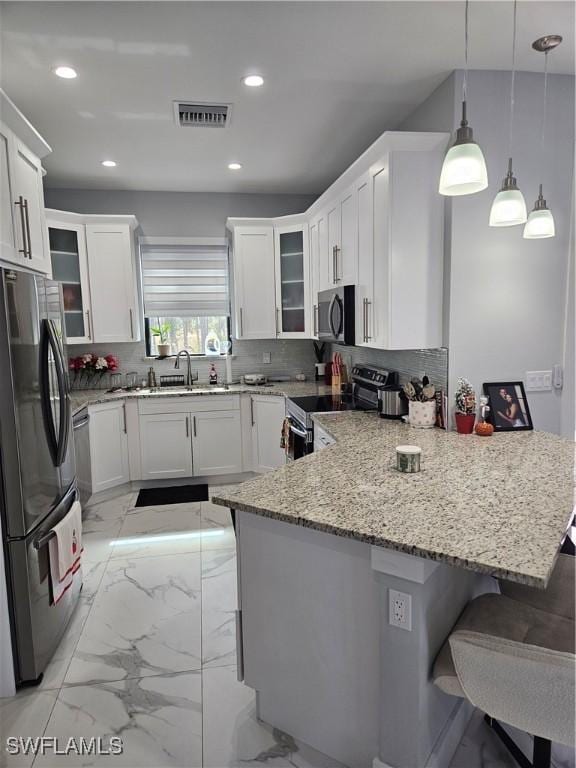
80	398
497	505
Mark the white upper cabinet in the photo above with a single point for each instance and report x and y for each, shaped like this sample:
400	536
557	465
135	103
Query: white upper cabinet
67	243
405	309
8	250
347	254
379	227
314	270
292	273
28	197
111	265
365	327
93	258
23	237
254	282
340	248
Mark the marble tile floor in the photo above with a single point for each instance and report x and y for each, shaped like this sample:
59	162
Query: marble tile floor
149	656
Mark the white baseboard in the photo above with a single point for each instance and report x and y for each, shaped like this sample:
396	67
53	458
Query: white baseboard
448	741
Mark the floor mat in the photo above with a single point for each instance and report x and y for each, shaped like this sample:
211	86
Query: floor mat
176	494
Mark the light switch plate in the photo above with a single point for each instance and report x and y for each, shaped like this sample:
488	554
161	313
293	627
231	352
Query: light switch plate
400	609
538	381
266	357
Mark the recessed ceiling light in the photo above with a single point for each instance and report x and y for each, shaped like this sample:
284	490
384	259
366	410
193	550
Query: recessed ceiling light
234	166
253	81
109	163
67	73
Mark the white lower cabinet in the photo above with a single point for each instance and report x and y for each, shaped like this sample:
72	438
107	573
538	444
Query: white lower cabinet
216	442
108	445
268	415
190	439
165	445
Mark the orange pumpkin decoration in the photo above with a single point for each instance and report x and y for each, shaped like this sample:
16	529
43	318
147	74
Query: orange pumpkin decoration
484	429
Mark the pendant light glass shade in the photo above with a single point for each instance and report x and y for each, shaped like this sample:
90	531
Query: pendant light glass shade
464	168
540	223
509	206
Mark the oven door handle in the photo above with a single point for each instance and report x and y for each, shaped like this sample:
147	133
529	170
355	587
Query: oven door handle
298	431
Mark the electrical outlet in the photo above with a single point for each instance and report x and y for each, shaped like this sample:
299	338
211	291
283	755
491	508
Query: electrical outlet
400	609
266	357
538	381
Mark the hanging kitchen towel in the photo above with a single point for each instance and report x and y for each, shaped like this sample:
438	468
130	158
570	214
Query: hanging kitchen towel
286	436
64	550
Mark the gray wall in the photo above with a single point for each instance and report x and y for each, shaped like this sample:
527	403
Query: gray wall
507	295
191	214
176	214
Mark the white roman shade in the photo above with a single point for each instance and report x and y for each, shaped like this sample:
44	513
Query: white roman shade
185	280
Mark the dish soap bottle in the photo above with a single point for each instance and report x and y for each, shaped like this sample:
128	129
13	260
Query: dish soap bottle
212	375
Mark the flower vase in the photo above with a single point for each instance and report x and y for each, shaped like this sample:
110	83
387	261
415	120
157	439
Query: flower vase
465	423
163	350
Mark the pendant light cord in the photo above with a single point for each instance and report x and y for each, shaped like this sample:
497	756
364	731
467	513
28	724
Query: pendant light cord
465	81
544	105
512	83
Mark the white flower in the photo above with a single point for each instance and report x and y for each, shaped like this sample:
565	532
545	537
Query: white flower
87	358
101	363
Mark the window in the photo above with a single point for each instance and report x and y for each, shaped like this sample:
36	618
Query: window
185	293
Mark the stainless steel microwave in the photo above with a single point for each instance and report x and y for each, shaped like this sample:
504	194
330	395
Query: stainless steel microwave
336	315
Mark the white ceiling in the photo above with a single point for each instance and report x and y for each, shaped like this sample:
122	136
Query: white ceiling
337	75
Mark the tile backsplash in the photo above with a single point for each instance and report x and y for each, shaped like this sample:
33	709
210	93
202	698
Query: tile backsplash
287	358
409	363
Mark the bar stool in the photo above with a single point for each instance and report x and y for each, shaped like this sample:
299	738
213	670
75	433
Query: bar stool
512	655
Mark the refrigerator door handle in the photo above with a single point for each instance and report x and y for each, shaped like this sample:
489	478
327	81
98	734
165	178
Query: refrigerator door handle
57	443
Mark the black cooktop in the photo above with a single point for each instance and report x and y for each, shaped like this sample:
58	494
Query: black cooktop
328	403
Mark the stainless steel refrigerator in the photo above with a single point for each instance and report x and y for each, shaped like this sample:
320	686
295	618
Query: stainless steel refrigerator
37	470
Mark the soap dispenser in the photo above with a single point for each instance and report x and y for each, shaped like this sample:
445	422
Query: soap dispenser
212	375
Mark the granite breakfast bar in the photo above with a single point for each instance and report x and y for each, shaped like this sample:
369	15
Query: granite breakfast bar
322	543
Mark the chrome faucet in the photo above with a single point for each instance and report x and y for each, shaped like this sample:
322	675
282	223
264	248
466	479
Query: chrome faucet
189	370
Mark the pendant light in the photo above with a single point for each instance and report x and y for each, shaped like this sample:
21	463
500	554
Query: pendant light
464	167
540	222
509	206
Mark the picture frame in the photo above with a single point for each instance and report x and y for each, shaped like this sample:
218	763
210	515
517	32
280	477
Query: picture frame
509	411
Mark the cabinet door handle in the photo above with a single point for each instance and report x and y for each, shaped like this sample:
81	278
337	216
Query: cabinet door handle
124	415
252	411
131	325
276	318
21	204
194	424
88	330
26	211
334	278
241	322
368	304
315	320
187	426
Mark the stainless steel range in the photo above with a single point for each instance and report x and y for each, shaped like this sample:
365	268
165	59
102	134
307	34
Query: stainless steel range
367	383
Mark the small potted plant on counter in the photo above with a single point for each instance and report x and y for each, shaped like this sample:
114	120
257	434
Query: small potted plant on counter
421	402
465	407
162	331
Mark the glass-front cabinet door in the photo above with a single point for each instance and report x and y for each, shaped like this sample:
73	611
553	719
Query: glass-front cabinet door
292	282
70	269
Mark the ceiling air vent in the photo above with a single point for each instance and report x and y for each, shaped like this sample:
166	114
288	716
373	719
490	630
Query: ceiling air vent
199	115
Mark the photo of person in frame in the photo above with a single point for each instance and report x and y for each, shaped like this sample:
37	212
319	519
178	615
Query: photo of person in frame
508	406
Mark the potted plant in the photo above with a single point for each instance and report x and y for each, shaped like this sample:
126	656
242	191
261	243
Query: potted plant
162	331
421	397
320	365
465	407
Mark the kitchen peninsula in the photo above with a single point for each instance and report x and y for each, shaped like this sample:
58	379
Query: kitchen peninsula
322	541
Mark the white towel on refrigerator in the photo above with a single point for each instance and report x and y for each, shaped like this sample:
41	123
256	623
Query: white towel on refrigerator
64	551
